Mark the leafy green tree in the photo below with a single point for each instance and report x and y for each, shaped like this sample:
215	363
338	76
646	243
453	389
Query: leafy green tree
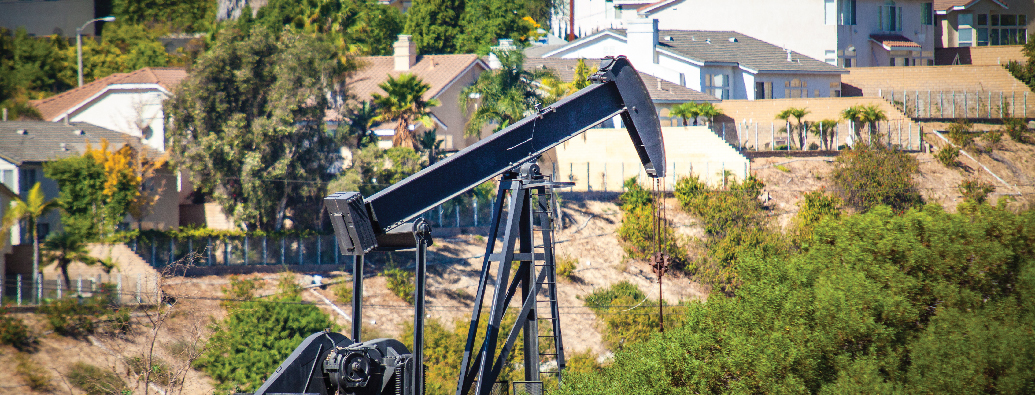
404	103
360	27
32	67
374	169
867	176
81	193
255	337
824	130
708	111
182	15
687	111
923	302
248	124
64	248
138	44
814	207
504	96
486	21
1024	71
435	25
637	228
30	210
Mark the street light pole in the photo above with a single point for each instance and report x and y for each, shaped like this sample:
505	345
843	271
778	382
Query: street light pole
79	42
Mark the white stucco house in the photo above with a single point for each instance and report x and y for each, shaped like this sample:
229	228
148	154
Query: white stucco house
724	64
978	23
847	33
130	103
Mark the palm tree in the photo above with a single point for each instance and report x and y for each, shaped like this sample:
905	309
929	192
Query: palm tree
503	96
872	114
825	131
854	114
404	104
708	111
687	111
360	117
797	114
31	209
63	249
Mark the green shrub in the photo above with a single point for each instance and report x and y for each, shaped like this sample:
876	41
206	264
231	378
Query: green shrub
181	349
288	286
160	372
74	317
400	282
95	380
13	331
868	176
976	191
1017	129
628	316
782	168
342	292
566	266
34	375
255	337
812	208
948	156
637	229
960	133
239	290
994	138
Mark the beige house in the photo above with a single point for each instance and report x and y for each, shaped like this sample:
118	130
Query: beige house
979	23
448	75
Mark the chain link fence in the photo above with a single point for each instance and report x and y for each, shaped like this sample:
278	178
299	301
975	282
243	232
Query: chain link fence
23	290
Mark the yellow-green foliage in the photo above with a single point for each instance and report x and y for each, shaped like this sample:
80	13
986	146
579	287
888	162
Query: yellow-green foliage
33	374
239	290
444	348
582	362
95	380
13	331
627	315
70	317
566	266
812	208
976	191
867	176
400	282
948	156
160	372
637	230
343	292
288	286
960	133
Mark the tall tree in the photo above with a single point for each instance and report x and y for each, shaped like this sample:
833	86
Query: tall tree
486	21
360	27
248	123
64	248
504	96
709	111
435	25
30	210
404	103
796	113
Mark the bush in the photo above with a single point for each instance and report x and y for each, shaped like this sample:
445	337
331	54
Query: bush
1017	129
948	156
812	208
637	229
255	337
960	133
867	176
975	190
994	138
566	267
160	372
74	317
34	375
342	292
95	380
400	282
628	316
13	331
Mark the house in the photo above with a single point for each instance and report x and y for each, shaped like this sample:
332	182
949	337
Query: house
665	94
978	23
6	197
130	103
448	75
725	64
47	17
26	145
848	33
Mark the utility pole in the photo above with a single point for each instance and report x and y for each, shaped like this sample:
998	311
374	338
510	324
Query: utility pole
79	42
571	20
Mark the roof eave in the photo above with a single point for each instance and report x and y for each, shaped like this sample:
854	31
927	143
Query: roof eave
477	61
74	109
580	41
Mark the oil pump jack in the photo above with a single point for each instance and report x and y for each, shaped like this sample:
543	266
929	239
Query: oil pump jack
331	363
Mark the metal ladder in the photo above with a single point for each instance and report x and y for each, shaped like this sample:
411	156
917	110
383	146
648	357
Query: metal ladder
543	213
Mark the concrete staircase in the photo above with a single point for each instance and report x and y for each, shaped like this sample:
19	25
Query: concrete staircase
128	265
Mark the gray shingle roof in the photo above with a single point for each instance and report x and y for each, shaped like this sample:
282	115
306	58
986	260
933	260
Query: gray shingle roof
720	47
659	90
40	141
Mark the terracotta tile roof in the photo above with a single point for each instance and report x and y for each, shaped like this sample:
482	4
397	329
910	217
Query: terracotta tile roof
890	41
660	90
435	70
867	81
55	106
979	56
945	5
42	141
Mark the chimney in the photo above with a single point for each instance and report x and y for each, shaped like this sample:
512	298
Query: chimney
405	53
642	41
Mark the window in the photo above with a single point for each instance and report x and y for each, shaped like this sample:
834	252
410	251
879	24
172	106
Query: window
982	19
717	85
846	63
830	12
982	36
1005	30
830	57
890	17
927	14
846	13
835	89
28	179
965	32
795	89
763	90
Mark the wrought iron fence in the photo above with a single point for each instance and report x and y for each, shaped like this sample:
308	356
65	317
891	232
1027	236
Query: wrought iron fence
23	290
